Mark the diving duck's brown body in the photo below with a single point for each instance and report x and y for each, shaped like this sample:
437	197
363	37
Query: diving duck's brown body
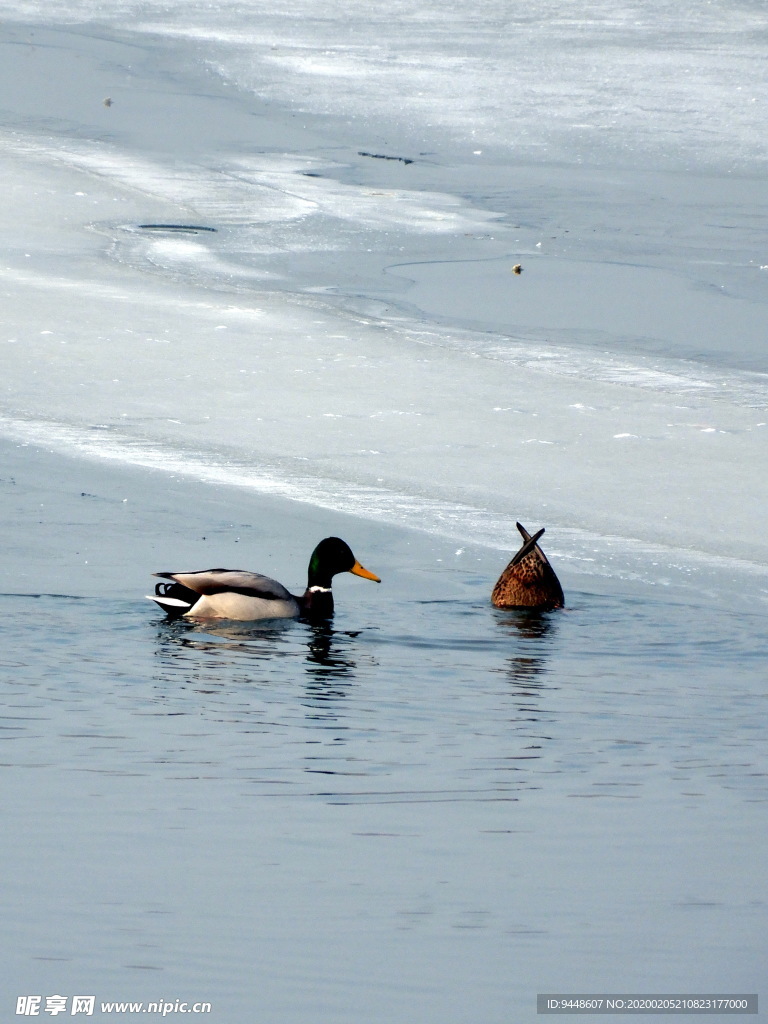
529	581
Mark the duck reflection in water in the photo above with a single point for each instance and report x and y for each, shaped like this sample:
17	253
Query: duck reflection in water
220	651
533	632
329	669
328	651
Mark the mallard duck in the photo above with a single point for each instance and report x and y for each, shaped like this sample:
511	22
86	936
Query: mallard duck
247	596
529	580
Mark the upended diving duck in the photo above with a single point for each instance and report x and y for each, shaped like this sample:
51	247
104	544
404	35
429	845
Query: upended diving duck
529	581
249	596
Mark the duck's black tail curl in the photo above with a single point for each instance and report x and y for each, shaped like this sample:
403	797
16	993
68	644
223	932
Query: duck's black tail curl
174	598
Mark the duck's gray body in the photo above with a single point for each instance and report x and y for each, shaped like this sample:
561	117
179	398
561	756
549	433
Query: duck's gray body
248	596
227	594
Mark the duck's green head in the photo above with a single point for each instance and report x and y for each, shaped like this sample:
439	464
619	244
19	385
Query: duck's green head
330	557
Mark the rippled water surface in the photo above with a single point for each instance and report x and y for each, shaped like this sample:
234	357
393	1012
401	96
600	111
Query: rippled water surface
427	810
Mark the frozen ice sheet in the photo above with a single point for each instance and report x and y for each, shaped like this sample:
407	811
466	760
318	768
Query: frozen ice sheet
670	83
273	349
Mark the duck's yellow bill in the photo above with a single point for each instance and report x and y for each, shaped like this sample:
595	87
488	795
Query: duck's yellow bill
358	570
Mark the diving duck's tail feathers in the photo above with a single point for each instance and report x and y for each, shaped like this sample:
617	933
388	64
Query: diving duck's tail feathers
530	543
523	532
529	581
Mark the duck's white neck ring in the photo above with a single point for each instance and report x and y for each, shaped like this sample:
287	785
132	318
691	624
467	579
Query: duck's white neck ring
319	590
